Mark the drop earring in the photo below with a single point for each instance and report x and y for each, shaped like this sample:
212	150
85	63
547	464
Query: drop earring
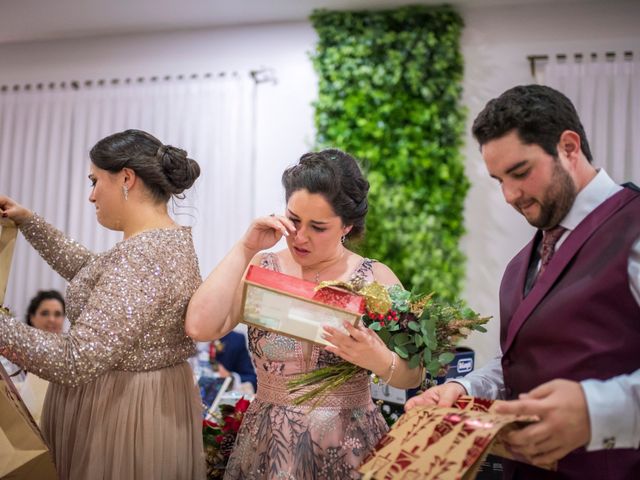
125	191
343	238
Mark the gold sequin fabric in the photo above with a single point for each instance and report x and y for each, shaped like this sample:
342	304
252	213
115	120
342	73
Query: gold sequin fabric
279	440
126	306
122	401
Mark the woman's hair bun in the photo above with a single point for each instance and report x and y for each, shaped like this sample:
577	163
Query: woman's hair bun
180	170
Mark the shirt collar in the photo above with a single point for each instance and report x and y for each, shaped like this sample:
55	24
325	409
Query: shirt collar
600	188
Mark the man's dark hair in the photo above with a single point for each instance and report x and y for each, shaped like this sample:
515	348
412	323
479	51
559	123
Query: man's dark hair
537	113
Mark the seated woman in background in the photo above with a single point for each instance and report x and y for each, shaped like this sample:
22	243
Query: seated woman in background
232	357
220	359
46	311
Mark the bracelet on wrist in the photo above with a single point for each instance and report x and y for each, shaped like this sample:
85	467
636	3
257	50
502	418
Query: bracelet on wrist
377	378
392	367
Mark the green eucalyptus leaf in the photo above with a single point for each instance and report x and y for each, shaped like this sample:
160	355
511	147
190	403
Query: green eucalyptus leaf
426	356
401	339
385	336
446	358
402	351
433	367
414	361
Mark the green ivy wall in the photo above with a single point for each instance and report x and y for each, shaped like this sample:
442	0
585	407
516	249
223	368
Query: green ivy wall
390	84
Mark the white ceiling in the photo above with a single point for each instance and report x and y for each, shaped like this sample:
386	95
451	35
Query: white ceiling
29	20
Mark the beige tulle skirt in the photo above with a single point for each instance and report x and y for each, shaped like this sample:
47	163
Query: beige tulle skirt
127	426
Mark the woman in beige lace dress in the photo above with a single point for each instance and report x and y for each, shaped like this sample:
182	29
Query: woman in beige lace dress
326	203
122	402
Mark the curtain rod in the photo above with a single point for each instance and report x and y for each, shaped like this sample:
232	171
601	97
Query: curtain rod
261	75
628	55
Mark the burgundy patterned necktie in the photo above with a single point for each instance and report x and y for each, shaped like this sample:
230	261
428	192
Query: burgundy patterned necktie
549	239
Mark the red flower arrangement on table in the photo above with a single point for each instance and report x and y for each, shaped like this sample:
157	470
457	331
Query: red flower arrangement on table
220	436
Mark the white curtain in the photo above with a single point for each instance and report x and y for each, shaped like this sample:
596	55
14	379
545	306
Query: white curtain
606	94
45	137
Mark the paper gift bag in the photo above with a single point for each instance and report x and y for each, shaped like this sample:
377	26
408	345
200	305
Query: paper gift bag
8	234
33	392
23	453
442	443
294	307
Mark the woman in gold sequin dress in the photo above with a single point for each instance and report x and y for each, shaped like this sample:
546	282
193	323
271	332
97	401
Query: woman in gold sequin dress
326	198
122	403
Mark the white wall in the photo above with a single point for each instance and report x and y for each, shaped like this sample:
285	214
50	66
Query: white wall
495	44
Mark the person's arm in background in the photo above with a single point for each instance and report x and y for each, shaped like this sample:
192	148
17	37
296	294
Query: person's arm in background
235	358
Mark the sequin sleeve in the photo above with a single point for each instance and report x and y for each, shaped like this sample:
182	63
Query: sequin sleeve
121	309
64	255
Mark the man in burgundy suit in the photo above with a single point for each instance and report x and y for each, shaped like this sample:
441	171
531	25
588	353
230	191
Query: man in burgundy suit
569	300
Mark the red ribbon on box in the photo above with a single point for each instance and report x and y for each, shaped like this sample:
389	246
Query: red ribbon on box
297	287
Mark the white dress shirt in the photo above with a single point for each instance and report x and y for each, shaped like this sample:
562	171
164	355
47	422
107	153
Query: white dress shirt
614	404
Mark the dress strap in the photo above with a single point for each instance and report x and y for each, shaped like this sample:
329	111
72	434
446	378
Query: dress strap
364	273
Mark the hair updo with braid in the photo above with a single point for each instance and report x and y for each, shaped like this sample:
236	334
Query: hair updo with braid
336	176
165	170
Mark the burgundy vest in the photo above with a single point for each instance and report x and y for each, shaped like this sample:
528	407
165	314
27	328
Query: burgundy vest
579	321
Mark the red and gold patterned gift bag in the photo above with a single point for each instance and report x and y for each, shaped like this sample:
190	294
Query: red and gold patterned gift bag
442	443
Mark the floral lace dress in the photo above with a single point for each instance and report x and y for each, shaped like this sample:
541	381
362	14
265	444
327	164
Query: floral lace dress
278	440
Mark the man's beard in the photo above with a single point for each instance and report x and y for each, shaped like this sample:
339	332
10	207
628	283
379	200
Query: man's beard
558	199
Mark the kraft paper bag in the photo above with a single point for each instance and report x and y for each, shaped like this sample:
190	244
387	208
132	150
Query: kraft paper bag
33	392
442	443
8	234
23	453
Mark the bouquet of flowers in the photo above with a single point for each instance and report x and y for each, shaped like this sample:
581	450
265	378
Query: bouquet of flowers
220	436
417	327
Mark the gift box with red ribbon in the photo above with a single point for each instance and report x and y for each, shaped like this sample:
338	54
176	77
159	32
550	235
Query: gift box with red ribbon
295	307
